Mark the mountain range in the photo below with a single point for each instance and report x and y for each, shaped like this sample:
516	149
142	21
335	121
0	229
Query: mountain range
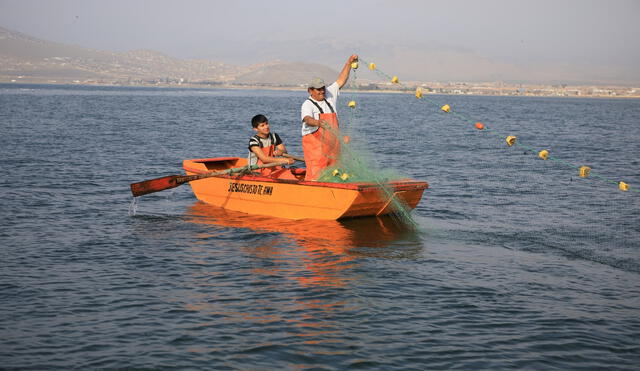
31	60
27	59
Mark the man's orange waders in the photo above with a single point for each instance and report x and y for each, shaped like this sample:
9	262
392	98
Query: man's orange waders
321	148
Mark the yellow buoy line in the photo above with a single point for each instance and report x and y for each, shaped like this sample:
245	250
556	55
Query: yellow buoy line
511	140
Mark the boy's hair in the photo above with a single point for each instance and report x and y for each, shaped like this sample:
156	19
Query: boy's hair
258	119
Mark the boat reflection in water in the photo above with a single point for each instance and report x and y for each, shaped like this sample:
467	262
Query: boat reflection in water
316	252
294	278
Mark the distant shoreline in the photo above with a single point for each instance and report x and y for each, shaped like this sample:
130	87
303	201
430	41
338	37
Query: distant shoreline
527	91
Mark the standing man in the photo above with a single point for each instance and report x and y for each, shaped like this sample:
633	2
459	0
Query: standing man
320	123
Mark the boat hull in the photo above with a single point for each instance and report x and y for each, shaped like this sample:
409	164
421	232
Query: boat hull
293	198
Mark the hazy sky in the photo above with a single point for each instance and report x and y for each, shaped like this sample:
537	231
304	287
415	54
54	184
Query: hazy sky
561	40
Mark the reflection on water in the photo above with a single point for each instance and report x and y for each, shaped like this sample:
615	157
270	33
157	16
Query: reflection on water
348	236
322	249
287	277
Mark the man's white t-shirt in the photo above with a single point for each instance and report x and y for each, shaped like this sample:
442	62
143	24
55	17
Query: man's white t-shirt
309	109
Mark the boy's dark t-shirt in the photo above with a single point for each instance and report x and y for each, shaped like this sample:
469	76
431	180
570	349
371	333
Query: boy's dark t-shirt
273	139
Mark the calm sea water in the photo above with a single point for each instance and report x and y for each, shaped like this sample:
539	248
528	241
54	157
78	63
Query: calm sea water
517	262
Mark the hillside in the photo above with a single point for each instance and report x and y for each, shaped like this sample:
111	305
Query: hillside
285	74
25	59
31	60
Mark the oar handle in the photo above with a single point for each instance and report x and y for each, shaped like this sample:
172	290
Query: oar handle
293	157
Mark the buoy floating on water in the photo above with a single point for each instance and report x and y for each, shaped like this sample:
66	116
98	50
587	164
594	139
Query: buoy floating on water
479	126
511	140
418	92
446	108
584	171
352	104
394	79
544	154
623	186
372	66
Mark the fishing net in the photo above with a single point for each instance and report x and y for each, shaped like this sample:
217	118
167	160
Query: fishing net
355	164
544	194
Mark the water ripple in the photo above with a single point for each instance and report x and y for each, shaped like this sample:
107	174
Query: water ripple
515	264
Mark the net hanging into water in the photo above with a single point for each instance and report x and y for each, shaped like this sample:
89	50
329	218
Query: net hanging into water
351	163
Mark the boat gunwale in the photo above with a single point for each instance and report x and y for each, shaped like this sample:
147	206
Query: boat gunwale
398	185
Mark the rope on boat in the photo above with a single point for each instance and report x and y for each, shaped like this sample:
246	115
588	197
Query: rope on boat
511	140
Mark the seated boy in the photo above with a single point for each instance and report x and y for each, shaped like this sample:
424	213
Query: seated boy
265	146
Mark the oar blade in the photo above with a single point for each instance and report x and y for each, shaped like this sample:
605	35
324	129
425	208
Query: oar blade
154	185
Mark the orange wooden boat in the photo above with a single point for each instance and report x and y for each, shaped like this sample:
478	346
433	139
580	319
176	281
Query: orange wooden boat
285	193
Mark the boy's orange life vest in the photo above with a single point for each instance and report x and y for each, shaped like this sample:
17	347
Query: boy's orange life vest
321	148
268	151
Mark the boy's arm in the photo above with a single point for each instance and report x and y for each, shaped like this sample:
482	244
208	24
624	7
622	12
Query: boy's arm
280	150
268	159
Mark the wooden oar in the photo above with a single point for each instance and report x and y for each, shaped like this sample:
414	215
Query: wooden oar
172	181
293	157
